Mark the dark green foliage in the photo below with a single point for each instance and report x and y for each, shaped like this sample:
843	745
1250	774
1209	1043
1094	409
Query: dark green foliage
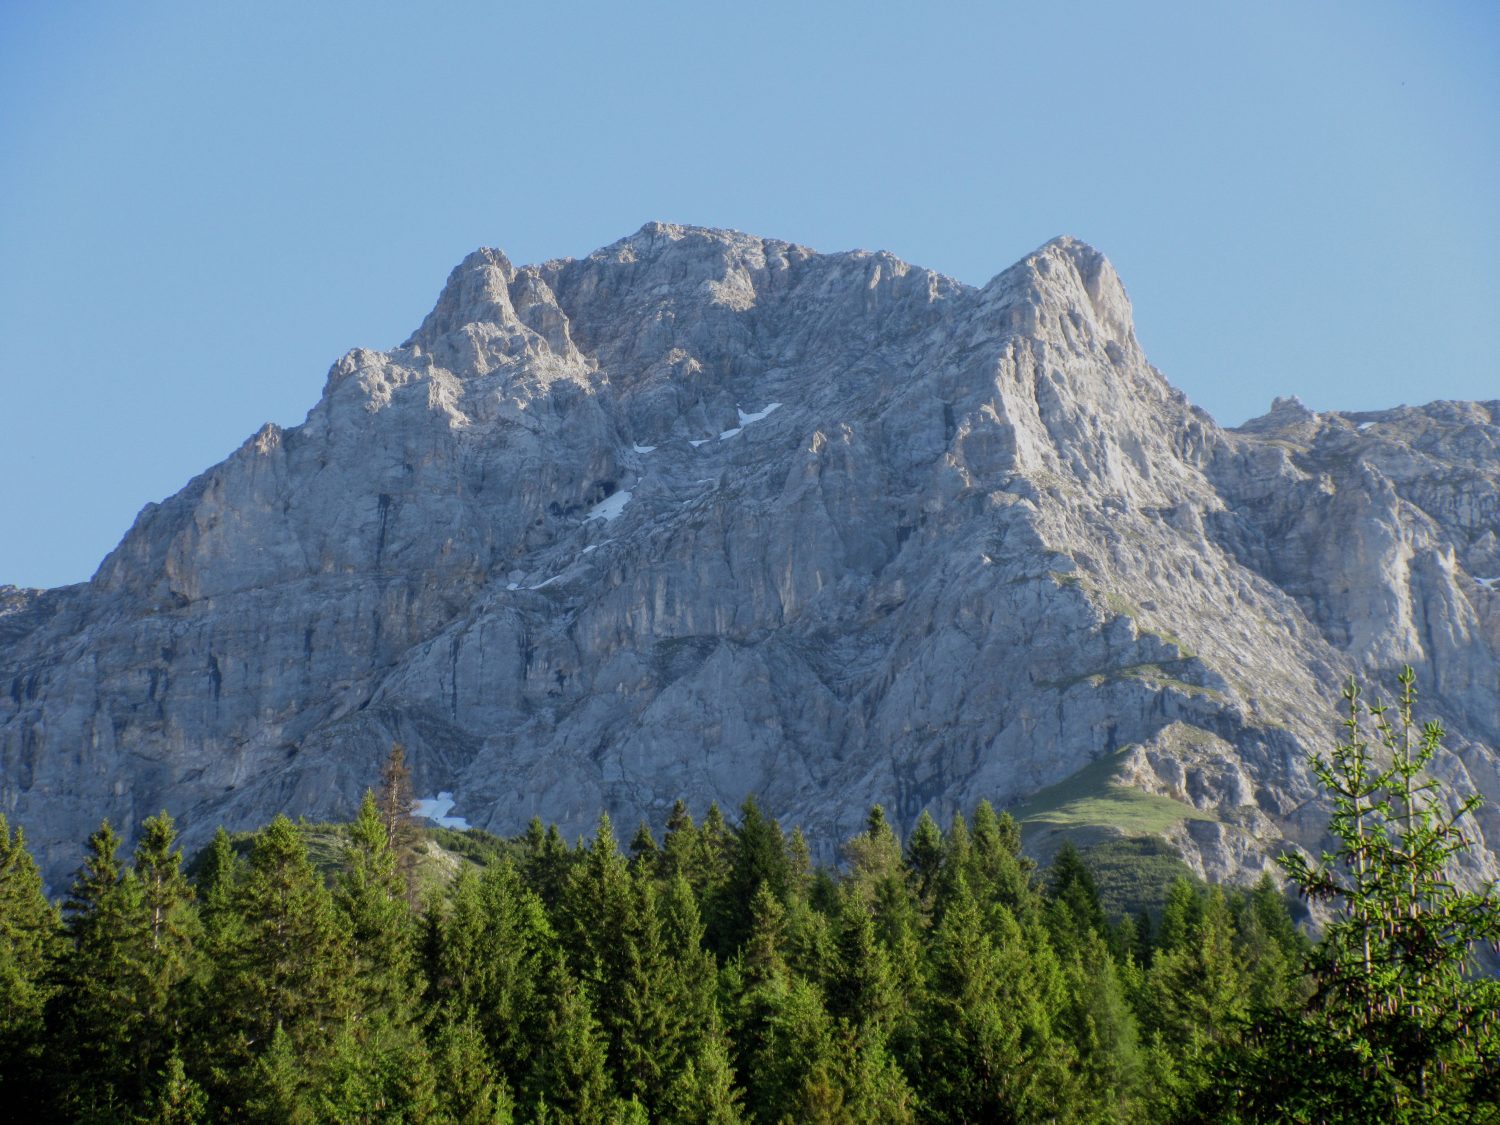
718	977
288	977
757	857
29	936
1397	1015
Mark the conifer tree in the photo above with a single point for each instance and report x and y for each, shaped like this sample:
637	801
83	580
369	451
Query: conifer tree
545	863
568	1080
1073	907
1196	994
711	862
643	850
924	859
170	955
704	1091
758	858
619	954
176	1099
372	897
1399	1026
470	1089
289	970
378	1073
102	975
991	1054
276	1087
1099	1024
809	942
864	990
874	856
28	943
395	801
695	973
679	846
489	961
997	871
217	892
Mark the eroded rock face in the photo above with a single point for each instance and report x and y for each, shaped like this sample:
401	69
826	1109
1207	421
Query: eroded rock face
705	514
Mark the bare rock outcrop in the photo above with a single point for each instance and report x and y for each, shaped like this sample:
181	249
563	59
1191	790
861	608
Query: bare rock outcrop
705	514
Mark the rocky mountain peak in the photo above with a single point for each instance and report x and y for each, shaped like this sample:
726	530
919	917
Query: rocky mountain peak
702	514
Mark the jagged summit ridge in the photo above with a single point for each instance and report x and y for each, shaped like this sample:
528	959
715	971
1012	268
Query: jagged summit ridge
704	513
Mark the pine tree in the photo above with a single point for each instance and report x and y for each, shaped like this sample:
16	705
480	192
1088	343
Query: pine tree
874	856
276	1085
1102	1029
489	959
758	858
1073	909
379	1072
470	1091
568	1075
218	888
29	938
991	1053
1399	1027
289	972
997	871
545	863
169	954
693	967
679	846
619	954
704	1092
924	859
644	854
102	974
395	801
711	861
864	990
372	897
1196	992
176	1099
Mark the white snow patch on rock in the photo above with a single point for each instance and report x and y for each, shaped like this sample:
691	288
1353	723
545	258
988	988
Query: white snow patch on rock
746	419
644	448
609	508
436	809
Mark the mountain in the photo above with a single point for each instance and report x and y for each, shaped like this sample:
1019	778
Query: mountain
704	514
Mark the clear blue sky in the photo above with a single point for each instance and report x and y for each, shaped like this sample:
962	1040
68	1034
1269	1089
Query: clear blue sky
203	205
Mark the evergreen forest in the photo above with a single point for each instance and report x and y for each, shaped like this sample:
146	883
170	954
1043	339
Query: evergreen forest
376	971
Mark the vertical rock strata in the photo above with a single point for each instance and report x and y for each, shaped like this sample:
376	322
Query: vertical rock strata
704	514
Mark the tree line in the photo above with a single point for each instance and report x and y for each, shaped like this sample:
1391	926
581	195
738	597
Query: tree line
716	975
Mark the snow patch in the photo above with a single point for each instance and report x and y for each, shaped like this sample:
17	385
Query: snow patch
544	585
730	433
1489	583
436	809
746	419
514	586
1365	425
644	448
609	508
696	444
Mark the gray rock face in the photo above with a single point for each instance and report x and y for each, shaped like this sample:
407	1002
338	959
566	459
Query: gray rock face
705	514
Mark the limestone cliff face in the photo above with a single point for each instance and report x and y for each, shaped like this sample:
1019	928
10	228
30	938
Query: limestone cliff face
705	514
